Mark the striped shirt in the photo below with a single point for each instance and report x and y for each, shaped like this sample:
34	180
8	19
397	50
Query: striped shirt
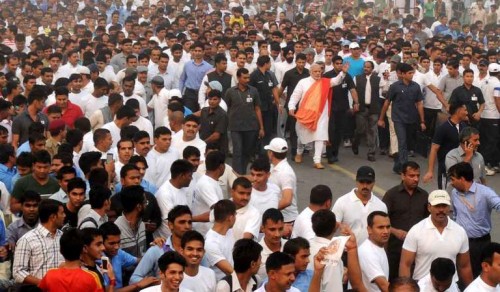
36	253
133	240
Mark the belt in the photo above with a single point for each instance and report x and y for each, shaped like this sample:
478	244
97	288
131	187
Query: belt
486	237
190	89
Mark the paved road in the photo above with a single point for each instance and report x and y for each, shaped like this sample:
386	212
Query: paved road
340	178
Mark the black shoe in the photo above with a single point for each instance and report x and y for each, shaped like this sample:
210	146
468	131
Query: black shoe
411	153
355	148
333	159
371	157
383	151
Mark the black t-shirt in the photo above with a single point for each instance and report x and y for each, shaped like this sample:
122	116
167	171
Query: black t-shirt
71	218
290	80
340	98
446	136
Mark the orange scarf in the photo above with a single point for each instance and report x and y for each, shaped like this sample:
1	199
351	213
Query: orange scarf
313	103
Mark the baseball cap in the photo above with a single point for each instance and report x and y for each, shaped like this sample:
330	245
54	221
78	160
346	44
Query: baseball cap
396	59
142	69
438	197
346	43
83	70
174	92
365	173
57	125
483	62
277	145
158	80
214	85
494	68
353	45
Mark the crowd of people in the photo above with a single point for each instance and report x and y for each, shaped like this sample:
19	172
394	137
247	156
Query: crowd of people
118	119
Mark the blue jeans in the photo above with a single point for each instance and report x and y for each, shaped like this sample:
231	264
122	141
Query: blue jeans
244	143
404	133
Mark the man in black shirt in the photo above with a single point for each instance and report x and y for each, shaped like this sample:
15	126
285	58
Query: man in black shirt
214	122
290	80
339	109
76	197
446	139
471	96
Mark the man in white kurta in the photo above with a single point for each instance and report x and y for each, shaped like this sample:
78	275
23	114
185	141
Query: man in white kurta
320	135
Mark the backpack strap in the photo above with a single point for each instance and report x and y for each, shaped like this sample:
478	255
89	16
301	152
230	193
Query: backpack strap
229	280
88	219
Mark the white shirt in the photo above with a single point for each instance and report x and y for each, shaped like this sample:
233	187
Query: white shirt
67	69
92	104
428	244
206	193
157	288
204	281
478	285
142	103
283	176
224	286
264	254
115	132
159	102
492	91
144	124
350	210
159	164
263	200
176	70
248	220
108	74
431	101
332	275
219	247
373	262
303	225
78	98
263	289
225	181
179	144
425	285
168	197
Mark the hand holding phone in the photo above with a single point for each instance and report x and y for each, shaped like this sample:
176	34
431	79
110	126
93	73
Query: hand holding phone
105	263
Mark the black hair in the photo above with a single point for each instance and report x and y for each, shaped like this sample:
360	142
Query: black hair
77	183
89	160
30	196
190	151
462	169
323	223
131	196
6	151
371	217
409	165
178	211
294	245
170	257
407	282
162	131
192	235
98	195
89	234
109	228
41	156
98	176
74	137
223	209
125	112
214	160
272	214
126	168
180	167
48	207
261	164
442	269
71	244
320	194
245	251
243	182
278	259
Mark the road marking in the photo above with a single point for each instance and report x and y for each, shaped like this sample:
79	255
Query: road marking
376	189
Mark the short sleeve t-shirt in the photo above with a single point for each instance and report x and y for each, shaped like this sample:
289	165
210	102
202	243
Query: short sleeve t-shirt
28	183
75	280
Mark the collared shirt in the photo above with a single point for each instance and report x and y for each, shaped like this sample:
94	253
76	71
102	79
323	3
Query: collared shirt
477	162
241	108
265	253
404	210
60	196
168	78
470	97
303	280
447	84
17	229
425	240
6	175
36	252
133	240
193	74
22	122
446	136
148	266
265	83
403	98
472	209
340	102
350	210
215	121
290	80
283	175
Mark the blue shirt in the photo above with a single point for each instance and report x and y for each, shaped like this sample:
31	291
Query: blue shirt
303	280
148	266
355	66
148	187
3	236
472	209
25	147
193	74
120	261
403	98
6	175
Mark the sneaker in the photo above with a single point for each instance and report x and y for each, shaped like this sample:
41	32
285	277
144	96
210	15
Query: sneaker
347	143
490	171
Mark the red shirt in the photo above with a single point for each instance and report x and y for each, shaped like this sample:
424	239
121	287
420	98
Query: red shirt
71	280
72	113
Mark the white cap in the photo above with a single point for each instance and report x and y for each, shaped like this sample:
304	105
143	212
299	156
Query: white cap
494	67
438	197
277	145
174	92
83	70
353	45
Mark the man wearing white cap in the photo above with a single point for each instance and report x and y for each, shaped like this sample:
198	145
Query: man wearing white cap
355	61
433	237
284	177
205	88
159	101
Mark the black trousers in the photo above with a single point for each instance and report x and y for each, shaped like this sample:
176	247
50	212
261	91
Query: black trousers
190	99
490	138
290	127
384	141
476	246
430	117
336	127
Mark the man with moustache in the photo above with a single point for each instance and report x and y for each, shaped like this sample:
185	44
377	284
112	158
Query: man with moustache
372	257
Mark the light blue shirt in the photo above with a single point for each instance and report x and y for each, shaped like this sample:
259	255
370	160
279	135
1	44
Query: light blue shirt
148	187
193	74
120	261
303	280
472	209
355	66
25	147
6	175
148	266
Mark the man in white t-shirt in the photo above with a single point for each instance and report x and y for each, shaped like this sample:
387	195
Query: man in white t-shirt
196	277
272	227
219	239
353	208
188	136
436	236
123	118
372	257
265	194
489	279
175	191
160	157
247	216
207	191
172	266
440	278
280	269
320	198
283	175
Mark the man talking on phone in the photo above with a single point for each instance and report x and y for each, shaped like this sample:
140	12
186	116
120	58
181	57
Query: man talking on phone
467	152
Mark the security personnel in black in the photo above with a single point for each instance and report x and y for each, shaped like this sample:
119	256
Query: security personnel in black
471	96
267	85
339	109
367	87
219	74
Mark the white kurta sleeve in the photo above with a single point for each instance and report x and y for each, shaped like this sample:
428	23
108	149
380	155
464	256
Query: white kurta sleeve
296	95
337	79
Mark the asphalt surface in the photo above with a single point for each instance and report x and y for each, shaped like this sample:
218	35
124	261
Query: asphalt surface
340	177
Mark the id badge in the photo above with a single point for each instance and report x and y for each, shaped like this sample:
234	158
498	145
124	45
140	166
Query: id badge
270	84
474	98
249	99
344	85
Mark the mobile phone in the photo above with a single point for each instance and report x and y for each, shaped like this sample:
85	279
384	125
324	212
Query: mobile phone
109	158
105	262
